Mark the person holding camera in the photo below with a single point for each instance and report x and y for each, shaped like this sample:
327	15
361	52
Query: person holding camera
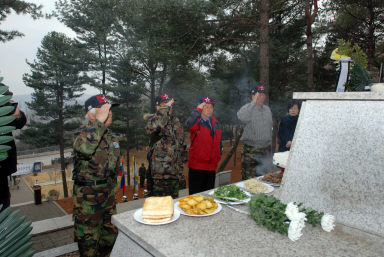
9	165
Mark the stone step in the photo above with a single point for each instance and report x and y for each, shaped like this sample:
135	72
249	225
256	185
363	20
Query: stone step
58	251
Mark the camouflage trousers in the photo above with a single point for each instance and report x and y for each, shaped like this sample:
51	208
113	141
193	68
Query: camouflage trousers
254	161
164	187
93	208
182	181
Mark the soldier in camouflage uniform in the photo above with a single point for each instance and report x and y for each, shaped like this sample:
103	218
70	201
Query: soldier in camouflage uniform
167	148
96	165
257	136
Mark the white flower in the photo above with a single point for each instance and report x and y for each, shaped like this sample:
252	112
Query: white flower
295	228
328	222
292	211
302	217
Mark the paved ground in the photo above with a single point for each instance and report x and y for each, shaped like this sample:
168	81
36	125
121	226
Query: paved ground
46	210
51	240
21	193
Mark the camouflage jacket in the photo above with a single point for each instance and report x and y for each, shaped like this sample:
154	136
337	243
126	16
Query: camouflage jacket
96	154
169	152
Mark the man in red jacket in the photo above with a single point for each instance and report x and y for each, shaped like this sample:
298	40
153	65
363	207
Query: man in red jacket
206	148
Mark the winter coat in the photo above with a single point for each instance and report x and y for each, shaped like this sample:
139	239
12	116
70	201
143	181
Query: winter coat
206	147
286	131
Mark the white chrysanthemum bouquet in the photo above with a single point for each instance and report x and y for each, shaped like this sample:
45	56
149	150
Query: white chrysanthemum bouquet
287	219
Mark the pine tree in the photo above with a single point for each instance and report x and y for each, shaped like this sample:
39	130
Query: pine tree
57	78
19	7
93	21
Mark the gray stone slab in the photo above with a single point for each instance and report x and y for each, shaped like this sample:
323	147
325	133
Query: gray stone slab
336	161
124	246
230	233
50	225
61	250
372	96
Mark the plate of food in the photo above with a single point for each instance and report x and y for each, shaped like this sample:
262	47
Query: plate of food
198	206
230	194
273	179
254	186
138	216
157	211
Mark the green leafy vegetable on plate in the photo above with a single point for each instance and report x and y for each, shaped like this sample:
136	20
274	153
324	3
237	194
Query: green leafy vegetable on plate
229	191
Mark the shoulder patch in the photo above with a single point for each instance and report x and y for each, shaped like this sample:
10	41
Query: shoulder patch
116	145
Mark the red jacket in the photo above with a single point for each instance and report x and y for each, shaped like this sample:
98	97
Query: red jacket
205	149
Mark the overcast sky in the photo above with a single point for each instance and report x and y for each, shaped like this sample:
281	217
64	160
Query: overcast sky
14	53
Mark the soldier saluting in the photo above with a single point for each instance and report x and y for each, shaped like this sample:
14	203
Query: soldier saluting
167	149
96	164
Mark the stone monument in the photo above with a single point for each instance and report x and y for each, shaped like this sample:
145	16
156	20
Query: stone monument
336	163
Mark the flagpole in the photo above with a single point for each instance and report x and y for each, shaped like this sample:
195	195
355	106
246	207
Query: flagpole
135	182
122	181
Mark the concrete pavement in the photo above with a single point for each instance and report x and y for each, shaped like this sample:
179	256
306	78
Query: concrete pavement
21	194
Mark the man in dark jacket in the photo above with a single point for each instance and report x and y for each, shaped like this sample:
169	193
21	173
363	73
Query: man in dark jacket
205	150
8	166
288	126
142	172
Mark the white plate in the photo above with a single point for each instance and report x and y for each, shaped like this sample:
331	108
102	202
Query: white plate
218	209
266	182
246	200
270	188
139	213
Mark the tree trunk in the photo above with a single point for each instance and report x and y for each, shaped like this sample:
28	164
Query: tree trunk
61	142
102	70
264	51
371	37
233	150
310	19
163	76
153	89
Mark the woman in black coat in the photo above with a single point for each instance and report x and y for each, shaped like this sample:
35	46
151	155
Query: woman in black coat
287	126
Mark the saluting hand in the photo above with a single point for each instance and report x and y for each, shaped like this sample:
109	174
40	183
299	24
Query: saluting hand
102	112
170	103
254	98
200	106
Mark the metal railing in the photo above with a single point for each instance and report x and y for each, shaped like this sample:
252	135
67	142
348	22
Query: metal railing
39	150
